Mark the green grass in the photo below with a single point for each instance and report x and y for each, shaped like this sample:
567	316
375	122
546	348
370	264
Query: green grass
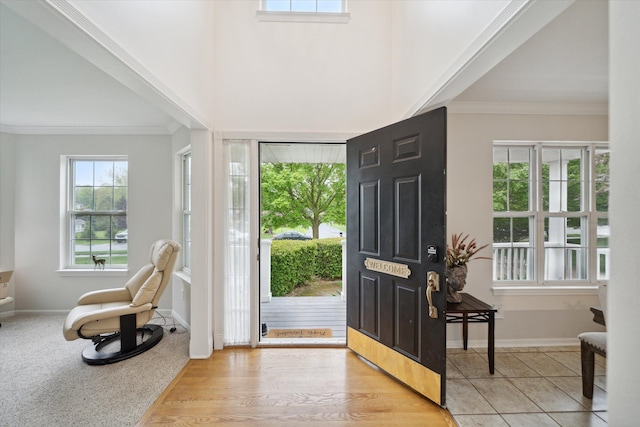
85	259
317	287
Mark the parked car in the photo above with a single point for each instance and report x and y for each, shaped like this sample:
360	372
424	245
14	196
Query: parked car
291	235
122	237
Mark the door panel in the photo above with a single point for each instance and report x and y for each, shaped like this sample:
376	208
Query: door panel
369	308
407	218
395	210
369	224
407	331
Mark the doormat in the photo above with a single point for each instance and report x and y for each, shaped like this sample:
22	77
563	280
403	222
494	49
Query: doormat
299	333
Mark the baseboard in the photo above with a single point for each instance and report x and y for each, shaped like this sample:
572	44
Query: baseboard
8	313
218	341
42	311
200	353
180	320
537	342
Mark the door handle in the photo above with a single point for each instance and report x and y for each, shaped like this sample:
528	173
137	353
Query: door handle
433	285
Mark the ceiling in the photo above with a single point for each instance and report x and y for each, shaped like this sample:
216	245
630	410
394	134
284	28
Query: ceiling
565	63
275	152
46	86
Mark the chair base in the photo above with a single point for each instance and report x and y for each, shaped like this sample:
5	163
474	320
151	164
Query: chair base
92	355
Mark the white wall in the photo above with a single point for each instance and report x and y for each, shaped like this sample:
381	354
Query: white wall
470	209
37	212
172	39
311	77
428	37
242	74
623	375
7	201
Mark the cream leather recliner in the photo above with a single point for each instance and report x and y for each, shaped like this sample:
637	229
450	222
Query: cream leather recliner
105	315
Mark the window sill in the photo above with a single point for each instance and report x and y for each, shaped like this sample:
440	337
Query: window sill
321	17
88	273
184	276
538	290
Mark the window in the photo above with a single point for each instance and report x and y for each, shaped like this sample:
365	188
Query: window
550	221
97	212
186	211
334	6
237	304
330	11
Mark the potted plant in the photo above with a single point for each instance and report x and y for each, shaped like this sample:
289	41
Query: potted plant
459	253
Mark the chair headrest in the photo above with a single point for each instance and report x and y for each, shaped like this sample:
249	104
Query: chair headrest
161	252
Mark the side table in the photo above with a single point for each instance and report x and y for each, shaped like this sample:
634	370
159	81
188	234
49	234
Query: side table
472	310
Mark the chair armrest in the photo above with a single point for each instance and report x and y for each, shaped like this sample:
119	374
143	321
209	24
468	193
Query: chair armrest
105	295
106	313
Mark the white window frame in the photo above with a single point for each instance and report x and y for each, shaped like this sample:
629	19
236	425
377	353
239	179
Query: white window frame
266	15
68	212
186	209
539	284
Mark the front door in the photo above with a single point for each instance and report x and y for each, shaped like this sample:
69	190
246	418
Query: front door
396	239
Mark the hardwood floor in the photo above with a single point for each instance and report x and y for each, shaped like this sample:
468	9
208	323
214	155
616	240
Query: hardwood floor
289	386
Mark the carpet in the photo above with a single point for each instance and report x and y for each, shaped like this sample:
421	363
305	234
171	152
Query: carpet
44	382
300	333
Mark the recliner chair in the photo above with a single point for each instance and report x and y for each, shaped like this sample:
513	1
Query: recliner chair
105	315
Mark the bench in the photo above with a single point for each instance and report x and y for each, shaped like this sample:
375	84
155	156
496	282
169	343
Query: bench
472	310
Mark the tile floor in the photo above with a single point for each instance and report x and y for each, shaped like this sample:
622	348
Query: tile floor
532	386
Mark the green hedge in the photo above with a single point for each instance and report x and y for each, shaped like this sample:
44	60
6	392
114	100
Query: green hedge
329	258
294	262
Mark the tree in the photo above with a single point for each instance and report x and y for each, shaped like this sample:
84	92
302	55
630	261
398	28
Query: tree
510	193
303	194
102	186
602	182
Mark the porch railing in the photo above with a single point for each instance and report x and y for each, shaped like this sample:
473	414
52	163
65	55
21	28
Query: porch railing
514	262
511	262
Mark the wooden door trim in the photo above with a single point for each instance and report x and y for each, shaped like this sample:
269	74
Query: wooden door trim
420	378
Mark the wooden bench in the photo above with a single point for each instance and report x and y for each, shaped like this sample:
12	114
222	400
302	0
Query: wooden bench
472	310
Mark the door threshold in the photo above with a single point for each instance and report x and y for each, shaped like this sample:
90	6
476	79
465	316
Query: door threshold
302	342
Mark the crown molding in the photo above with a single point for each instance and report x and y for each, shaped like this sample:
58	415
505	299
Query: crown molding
287	136
85	130
541	108
174	126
